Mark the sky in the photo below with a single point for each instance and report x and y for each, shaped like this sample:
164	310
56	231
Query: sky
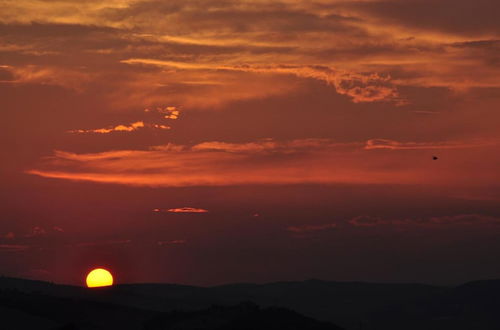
211	141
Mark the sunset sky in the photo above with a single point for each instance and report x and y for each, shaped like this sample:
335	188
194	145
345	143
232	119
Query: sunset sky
215	141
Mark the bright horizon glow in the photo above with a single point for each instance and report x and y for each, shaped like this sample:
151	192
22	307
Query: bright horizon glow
99	277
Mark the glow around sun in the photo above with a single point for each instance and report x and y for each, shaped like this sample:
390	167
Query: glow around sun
99	277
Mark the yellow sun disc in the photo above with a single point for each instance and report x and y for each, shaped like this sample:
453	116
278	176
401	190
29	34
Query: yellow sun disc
99	277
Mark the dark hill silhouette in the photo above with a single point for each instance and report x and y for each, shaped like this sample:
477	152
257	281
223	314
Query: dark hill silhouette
351	305
51	312
245	316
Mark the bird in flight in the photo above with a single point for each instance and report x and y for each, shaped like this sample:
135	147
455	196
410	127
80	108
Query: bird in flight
434	158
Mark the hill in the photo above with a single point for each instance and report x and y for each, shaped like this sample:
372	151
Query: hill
350	305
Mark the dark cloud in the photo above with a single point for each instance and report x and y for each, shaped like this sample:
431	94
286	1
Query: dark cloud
433	221
13	247
228	17
461	17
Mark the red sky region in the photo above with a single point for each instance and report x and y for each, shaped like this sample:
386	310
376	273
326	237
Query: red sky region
209	142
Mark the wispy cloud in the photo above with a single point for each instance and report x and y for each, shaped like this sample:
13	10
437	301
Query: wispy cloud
360	87
102	243
366	50
122	128
397	145
261	162
36	232
182	210
172	242
48	75
459	220
13	247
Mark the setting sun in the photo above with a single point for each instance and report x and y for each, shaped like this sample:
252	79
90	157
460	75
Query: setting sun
99	277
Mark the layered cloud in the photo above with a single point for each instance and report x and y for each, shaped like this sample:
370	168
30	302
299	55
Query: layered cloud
267	162
46	75
210	53
360	87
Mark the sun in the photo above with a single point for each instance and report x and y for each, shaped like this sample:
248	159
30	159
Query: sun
99	277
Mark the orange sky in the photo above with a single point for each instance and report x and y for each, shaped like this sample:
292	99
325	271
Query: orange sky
298	131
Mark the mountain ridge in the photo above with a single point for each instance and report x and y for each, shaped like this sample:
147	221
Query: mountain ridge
384	306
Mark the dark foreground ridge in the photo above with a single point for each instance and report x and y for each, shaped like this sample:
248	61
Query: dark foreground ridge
245	316
303	305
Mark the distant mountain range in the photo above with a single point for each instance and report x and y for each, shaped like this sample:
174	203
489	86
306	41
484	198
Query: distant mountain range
26	304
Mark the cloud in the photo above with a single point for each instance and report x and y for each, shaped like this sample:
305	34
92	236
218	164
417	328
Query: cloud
464	219
102	243
397	145
48	75
360	87
368	221
252	147
9	235
36	232
366	50
13	247
169	112
172	242
271	146
304	161
121	128
460	220
184	210
428	15
475	196
312	228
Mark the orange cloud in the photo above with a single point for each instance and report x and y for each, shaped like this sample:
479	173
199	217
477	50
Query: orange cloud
169	112
271	146
187	210
359	87
119	128
48	75
397	145
366	50
268	162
